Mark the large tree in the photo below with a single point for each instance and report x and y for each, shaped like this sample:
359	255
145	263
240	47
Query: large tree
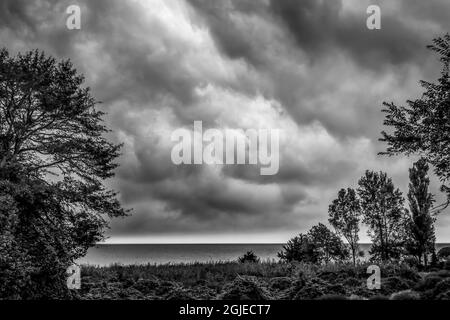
422	127
329	246
54	158
344	215
382	210
420	228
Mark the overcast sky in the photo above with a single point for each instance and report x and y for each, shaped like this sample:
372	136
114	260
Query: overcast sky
309	67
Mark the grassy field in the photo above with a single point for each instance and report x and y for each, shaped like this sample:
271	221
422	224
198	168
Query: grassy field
267	280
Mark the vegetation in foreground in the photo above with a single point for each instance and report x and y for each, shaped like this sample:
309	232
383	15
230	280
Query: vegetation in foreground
261	281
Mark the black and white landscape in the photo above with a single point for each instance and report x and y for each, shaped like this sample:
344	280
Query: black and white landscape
230	149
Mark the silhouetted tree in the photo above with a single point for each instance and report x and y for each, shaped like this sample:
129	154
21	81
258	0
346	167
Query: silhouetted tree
319	245
422	126
53	160
344	214
421	230
329	246
249	257
301	249
382	210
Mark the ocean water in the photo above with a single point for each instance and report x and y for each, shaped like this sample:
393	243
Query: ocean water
106	254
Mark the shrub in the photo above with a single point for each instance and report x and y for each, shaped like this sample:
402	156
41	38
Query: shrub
335	289
245	288
180	294
311	289
300	249
352	282
412	262
146	286
428	283
442	286
395	284
249	257
280	283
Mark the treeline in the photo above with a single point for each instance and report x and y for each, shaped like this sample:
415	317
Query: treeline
395	231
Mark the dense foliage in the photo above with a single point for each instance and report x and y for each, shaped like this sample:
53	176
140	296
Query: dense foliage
259	281
422	126
319	245
299	248
329	246
344	215
249	257
421	240
53	161
383	212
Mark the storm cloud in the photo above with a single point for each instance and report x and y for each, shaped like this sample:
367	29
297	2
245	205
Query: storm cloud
310	68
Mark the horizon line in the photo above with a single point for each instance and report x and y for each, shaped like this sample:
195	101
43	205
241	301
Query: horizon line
188	243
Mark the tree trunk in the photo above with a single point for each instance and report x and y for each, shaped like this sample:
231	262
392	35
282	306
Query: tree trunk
382	246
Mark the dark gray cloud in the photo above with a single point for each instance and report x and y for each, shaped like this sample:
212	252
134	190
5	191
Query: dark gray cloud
311	68
220	17
321	32
321	27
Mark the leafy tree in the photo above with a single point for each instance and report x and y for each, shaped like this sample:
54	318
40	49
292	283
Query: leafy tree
344	215
249	257
13	263
53	161
299	248
328	245
319	245
422	126
382	210
420	229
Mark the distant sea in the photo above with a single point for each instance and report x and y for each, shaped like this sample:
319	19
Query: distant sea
107	254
